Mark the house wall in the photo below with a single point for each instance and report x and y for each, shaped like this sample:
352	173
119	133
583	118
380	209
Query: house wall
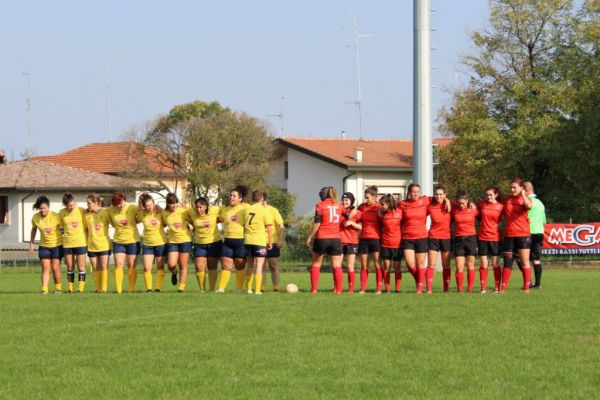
387	182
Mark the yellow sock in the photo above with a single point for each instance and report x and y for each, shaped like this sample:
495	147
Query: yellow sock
104	280
181	287
257	283
70	287
212	279
148	280
44	289
58	287
119	279
200	277
81	286
224	280
160	277
240	278
249	281
98	280
131	278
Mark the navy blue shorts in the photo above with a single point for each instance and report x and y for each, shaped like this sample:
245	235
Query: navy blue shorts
208	250
255	250
274	252
156	251
77	251
50	253
92	254
185	247
233	248
391	253
131	249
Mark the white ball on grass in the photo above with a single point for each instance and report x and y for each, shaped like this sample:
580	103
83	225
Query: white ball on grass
291	288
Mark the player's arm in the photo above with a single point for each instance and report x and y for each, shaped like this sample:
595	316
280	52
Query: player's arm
315	228
32	238
269	229
526	200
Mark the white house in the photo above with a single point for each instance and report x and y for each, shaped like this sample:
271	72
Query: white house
304	165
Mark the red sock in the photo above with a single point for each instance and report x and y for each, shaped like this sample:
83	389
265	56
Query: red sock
378	279
446	275
398	280
429	274
364	276
497	277
460	277
483	273
386	280
526	278
420	280
413	272
338	279
314	278
506	272
470	279
351	280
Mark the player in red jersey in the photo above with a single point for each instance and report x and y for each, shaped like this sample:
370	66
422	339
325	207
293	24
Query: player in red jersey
328	214
368	244
465	240
391	218
440	235
517	235
490	215
349	235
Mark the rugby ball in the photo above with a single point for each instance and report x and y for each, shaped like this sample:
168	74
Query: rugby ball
291	288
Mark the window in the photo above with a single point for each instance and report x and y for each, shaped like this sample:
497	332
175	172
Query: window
3	209
285	170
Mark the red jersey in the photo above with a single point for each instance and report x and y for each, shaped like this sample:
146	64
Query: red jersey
349	234
440	221
464	221
330	214
517	221
490	215
390	222
371	229
414	217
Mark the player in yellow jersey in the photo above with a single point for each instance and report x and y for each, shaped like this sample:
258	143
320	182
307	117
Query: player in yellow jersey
126	240
207	242
258	236
234	253
275	251
180	240
155	239
96	225
50	248
74	241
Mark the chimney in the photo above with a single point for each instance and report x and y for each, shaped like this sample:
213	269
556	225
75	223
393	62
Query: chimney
343	135
358	154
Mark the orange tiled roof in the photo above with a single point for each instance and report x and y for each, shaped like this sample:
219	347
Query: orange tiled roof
376	153
40	175
115	158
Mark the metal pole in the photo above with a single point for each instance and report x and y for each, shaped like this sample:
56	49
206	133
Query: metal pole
359	99
29	150
108	100
422	142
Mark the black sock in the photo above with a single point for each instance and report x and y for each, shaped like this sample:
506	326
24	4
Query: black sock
70	276
81	276
508	260
537	270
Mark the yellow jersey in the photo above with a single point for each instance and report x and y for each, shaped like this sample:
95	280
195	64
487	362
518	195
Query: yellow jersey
125	223
233	220
73	224
49	227
177	221
257	219
206	229
277	222
154	228
96	224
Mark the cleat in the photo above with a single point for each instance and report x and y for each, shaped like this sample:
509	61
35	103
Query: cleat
313	292
258	293
58	292
220	291
174	278
362	292
483	291
250	291
276	288
378	292
429	292
148	290
180	290
157	290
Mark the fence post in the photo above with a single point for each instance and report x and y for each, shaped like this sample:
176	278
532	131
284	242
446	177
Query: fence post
570	255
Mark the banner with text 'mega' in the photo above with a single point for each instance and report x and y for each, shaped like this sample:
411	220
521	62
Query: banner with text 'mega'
567	239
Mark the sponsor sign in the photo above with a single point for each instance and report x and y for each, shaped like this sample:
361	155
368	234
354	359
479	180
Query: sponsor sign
572	239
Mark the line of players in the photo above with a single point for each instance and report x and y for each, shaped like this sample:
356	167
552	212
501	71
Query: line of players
252	233
386	231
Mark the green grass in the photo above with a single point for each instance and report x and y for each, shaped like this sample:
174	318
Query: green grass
191	345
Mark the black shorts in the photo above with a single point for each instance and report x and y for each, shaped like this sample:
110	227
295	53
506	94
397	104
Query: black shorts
418	245
487	248
253	250
274	252
389	253
349	249
233	248
333	247
537	240
465	246
439	244
514	243
368	246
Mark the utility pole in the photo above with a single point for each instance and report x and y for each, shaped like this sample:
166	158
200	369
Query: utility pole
108	99
358	101
280	115
29	152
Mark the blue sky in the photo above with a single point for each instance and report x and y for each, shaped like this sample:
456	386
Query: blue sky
244	54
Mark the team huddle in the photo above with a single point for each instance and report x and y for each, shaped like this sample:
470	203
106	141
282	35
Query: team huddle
386	231
251	236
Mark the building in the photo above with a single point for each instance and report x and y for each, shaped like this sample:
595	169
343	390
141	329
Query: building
22	182
304	165
130	160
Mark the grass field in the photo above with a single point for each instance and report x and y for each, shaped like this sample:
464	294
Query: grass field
191	345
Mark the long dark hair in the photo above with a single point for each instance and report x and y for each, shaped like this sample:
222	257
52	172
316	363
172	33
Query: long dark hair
39	201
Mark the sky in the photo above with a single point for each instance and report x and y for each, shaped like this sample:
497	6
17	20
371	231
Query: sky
245	54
